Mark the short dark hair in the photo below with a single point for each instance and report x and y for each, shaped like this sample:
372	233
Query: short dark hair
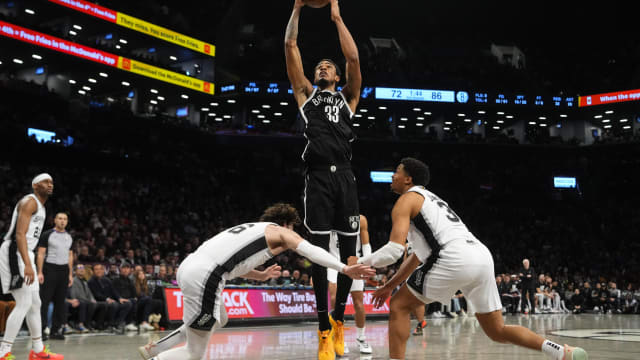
418	171
338	71
281	214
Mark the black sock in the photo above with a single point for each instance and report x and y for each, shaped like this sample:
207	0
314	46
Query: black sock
320	285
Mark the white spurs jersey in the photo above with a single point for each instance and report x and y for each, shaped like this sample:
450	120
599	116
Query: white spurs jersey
36	223
235	251
434	226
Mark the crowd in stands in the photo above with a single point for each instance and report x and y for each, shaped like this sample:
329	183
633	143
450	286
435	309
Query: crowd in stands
143	194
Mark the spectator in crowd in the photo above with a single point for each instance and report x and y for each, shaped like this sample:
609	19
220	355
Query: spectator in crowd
86	312
577	301
614	298
131	258
117	308
543	299
510	294
124	287
146	305
85	256
527	278
628	302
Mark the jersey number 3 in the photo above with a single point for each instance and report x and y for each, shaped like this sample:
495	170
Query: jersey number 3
450	214
333	113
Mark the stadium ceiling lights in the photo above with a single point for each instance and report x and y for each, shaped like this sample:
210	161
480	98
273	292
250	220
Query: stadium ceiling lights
467	120
118	47
606	121
93	81
214	104
509	116
73	33
173	58
18	61
154	91
532	122
500	112
124	83
104	75
110	99
211	114
623	120
36	56
461	115
255	111
231	101
371	117
496	127
86	88
401	126
627	127
284	103
277	114
122	41
403	119
543	125
427	112
607	126
419	124
161	98
420	118
563	115
77	27
218	119
363	110
358	115
227	116
481	112
500	121
261	116
204	109
184	96
81	92
542	118
608	112
448	123
382	108
597	117
71	81
266	106
29	11
153	102
417	109
265	121
446	128
356	124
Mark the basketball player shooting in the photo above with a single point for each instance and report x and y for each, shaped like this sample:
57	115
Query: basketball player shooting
331	198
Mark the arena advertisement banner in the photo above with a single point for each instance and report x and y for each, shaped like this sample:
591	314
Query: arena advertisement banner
169	76
138	25
609	98
102	57
267	303
57	44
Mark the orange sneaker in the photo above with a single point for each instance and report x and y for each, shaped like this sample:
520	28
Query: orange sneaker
338	335
45	354
325	345
8	356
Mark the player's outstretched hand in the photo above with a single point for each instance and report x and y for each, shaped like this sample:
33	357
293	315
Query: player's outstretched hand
335	10
359	271
272	272
380	296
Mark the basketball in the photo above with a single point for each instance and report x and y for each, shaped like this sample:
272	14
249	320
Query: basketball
316	3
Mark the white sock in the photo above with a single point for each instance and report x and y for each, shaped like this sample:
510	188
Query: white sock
176	337
553	350
38	346
361	335
5	348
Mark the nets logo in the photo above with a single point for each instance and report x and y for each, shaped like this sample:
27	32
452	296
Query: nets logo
236	303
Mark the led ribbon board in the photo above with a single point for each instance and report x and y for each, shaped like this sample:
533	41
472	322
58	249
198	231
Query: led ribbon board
609	98
102	57
415	95
138	25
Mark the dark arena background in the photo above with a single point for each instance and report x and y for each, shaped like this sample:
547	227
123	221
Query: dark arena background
163	123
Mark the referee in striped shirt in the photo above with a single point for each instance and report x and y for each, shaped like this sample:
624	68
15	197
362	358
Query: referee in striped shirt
55	272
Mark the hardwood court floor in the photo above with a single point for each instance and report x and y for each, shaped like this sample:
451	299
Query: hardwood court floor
603	336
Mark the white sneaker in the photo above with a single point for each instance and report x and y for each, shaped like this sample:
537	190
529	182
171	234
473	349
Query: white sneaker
131	327
365	348
574	353
148	351
146	327
46	331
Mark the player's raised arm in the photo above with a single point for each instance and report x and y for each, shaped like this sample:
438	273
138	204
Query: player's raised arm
301	86
351	90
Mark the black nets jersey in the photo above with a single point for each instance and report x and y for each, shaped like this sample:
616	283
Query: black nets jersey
328	128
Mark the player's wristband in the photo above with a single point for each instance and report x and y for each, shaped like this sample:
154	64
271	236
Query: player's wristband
366	249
